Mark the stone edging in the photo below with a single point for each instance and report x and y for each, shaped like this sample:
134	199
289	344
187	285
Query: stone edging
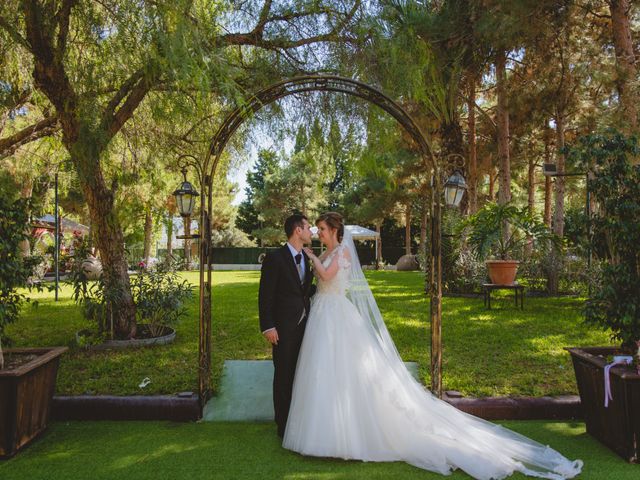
132	343
564	407
185	407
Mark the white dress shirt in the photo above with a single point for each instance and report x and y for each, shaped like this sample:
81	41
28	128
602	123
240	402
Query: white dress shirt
294	252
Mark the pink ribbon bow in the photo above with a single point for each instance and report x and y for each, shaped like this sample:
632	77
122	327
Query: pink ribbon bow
607	381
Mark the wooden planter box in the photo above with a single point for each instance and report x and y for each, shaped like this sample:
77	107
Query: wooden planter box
25	398
617	426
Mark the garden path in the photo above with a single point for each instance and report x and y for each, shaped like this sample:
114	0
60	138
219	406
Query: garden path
245	393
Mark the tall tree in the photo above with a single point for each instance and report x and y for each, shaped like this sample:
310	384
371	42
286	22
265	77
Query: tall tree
473	150
248	219
96	62
502	123
626	62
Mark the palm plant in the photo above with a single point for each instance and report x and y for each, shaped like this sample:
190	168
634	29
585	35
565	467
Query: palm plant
502	231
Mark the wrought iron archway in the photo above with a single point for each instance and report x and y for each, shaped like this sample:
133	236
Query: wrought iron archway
285	88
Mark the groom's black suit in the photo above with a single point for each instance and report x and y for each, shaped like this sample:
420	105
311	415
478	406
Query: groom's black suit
283	302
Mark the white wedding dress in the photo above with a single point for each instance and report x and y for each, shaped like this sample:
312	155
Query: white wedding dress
353	397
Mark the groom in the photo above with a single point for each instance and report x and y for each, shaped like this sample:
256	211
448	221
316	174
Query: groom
283	301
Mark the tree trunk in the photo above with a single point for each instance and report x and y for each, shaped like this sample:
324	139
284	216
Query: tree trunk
558	214
531	197
169	235
531	185
407	230
547	201
451	136
492	184
187	243
502	124
473	151
148	235
423	233
26	191
379	245
547	178
108	234
553	280
626	74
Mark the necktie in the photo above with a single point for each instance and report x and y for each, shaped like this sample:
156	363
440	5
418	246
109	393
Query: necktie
298	258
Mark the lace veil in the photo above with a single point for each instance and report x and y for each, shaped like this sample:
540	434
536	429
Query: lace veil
359	293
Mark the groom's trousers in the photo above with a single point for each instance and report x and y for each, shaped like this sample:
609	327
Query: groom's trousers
285	358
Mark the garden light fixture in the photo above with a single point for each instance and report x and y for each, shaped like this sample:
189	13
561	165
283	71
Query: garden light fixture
454	189
185	196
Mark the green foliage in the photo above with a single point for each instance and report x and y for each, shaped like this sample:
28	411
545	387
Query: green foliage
574	274
615	302
15	268
96	301
503	230
248	219
343	152
160	298
576	229
297	183
462	271
78	275
380	175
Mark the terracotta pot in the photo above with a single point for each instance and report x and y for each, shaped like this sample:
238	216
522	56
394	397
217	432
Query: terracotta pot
502	272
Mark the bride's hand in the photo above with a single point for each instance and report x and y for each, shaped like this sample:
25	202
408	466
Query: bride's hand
310	253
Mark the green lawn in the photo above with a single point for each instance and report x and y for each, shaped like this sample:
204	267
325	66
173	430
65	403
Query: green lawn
161	450
503	351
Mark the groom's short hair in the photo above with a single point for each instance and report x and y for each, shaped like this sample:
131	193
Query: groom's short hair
292	222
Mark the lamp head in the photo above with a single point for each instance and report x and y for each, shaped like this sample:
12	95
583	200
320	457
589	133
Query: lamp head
185	196
454	189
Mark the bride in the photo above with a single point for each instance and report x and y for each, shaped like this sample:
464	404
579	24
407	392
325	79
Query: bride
353	397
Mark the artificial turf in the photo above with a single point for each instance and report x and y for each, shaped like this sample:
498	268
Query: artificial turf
162	450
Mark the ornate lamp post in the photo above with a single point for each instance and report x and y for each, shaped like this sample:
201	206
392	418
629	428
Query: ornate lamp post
186	196
454	188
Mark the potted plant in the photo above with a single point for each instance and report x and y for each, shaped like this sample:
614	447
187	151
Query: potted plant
614	303
27	375
498	234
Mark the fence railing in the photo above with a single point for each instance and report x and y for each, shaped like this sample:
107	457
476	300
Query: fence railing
251	255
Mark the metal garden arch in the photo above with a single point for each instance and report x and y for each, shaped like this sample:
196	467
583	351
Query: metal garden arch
312	83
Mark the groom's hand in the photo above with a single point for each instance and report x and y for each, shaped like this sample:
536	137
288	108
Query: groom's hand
272	336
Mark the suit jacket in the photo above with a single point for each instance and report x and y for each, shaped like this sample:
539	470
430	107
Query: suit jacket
282	298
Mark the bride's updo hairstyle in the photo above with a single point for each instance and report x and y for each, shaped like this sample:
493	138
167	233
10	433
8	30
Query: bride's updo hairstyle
333	220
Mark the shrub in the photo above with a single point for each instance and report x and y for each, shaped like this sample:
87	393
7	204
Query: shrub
16	269
92	296
160	298
615	301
